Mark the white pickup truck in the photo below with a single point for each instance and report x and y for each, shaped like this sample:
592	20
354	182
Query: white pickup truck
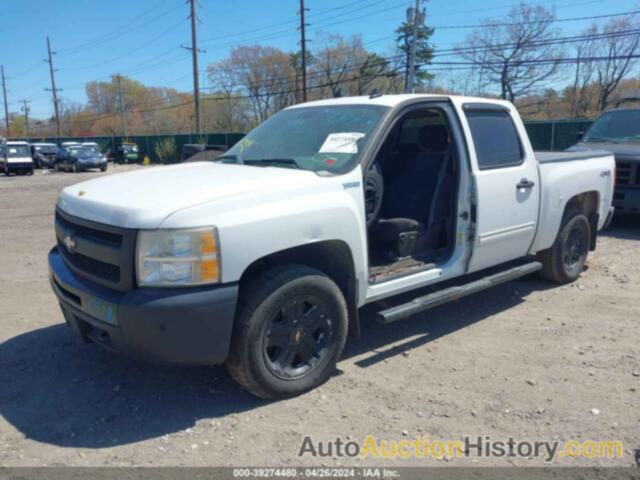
262	259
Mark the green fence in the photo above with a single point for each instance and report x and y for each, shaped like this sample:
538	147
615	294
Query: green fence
147	143
556	134
544	135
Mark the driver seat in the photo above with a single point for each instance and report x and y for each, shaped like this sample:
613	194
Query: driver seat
408	212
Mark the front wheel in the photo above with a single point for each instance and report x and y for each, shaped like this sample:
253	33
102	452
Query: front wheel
290	332
565	260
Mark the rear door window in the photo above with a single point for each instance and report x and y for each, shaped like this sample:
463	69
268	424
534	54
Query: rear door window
495	138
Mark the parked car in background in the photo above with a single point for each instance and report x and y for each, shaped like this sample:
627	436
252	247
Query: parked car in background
92	145
124	153
190	150
262	259
77	158
16	158
618	131
205	156
44	154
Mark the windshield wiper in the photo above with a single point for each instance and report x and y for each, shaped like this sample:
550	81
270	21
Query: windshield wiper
288	162
233	157
600	139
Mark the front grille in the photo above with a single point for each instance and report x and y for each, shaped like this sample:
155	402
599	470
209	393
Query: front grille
628	174
101	253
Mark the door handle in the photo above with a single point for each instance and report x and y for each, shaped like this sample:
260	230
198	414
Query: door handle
524	183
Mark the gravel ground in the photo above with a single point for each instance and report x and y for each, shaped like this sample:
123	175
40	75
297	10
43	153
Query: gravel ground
526	360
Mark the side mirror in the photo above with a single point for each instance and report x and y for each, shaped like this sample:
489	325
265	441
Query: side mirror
579	136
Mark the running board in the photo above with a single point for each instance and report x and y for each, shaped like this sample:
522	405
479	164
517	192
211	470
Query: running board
450	294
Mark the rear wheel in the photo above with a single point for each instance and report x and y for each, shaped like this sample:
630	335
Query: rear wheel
289	334
565	260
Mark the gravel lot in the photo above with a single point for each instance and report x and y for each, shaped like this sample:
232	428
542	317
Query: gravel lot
526	360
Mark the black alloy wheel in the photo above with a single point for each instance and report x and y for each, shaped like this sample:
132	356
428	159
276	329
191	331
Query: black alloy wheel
298	337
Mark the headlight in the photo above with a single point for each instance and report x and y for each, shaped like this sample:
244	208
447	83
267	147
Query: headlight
179	257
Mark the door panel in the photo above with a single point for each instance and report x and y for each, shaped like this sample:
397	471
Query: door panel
507	188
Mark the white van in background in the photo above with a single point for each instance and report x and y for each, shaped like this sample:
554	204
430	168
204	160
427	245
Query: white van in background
16	157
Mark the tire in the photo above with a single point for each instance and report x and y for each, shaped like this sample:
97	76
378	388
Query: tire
103	169
284	314
565	260
30	172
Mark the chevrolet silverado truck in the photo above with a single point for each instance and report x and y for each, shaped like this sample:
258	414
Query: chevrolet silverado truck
618	131
263	259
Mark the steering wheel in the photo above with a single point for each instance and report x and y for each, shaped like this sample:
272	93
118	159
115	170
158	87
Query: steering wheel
373	192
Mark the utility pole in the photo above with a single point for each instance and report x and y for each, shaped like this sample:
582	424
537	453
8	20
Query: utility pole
53	89
123	118
194	53
303	45
26	110
6	105
415	16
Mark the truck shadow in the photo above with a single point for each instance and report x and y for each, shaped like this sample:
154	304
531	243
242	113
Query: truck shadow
57	391
438	322
625	227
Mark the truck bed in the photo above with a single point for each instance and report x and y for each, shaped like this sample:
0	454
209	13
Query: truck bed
554	157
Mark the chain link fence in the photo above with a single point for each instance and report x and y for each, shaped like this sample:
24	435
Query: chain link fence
555	134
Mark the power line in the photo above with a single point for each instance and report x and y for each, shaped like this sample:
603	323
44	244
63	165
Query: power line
557	20
113	34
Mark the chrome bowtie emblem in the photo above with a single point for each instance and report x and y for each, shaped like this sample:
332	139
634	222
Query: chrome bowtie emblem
70	243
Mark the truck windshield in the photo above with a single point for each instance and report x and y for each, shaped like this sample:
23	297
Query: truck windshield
17	151
327	138
615	126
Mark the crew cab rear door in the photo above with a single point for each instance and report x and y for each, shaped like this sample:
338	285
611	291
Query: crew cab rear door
506	183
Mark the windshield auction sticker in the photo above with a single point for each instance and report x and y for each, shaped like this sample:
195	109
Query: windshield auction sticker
346	142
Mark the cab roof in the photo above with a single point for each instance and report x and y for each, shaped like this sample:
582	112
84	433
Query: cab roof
397	99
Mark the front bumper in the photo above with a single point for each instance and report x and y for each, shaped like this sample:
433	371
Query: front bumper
92	164
607	220
15	166
187	326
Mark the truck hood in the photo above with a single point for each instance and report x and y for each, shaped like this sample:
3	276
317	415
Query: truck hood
622	151
145	197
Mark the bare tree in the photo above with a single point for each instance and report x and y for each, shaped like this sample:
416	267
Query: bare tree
620	51
266	76
516	52
336	61
581	93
